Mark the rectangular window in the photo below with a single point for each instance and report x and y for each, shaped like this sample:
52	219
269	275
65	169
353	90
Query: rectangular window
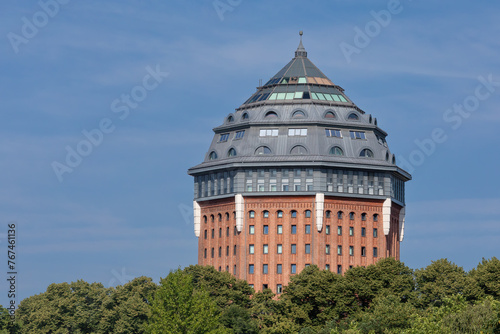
308	248
206	234
251	249
268	133
212	252
251	229
239	134
363	232
272	187
375	233
327	249
357	135
293	269
351	231
339	269
279	289
280	249
294	229
227	231
375	252
327	267
351	250
234	250
327	229
286	187
279	268
339	230
363	251
220	251
250	268
227	250
213	233
224	137
297	132
308	229
294	249
339	250
265	229
264	268
297	187
261	187
280	229
333	133
234	270
266	249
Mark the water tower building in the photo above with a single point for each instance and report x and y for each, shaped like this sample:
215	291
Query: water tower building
297	175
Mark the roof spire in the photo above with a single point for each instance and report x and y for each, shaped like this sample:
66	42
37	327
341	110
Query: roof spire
301	51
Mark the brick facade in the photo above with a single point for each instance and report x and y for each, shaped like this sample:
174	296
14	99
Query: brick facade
358	230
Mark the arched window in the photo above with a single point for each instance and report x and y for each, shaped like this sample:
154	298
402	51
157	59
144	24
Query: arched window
213	155
245	116
336	151
393	159
293	214
351	216
261	150
298	150
219	217
328	214
375	218
280	214
353	117
308	213
251	214
227	215
330	114
230	119
212	218
366	153
265	213
340	215
387	156
231	152
205	219
271	115
363	216
299	114
370	119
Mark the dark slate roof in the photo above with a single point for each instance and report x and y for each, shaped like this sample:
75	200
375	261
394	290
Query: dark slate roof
299	96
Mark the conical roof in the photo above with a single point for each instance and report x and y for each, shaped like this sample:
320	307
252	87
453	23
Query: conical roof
300	81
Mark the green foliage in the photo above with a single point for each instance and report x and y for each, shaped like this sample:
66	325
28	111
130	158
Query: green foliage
480	318
179	308
319	296
126	309
387	313
386	297
63	308
223	287
387	276
487	277
238	319
439	280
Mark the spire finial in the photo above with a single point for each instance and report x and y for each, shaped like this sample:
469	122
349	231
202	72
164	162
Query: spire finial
301	51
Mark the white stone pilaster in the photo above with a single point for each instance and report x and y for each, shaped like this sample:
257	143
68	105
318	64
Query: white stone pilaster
320	205
240	209
386	214
402	215
197	218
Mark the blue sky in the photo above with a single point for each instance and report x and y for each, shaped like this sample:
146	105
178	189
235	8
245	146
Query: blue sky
124	209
